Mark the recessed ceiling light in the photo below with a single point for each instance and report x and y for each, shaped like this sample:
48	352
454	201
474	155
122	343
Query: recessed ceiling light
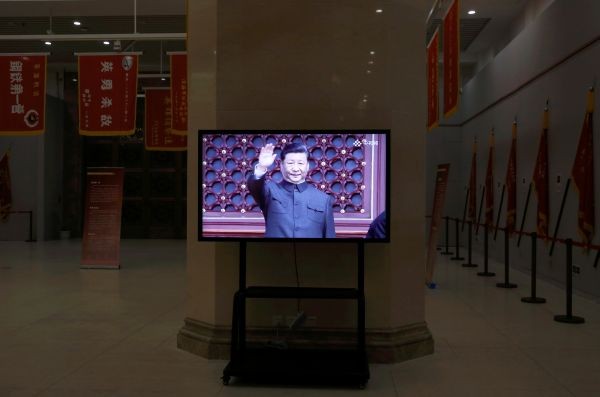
163	79
76	23
371	62
48	42
74	80
471	12
372	53
379	10
106	42
364	100
368	72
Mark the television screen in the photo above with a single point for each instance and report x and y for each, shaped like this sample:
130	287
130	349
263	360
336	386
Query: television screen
291	184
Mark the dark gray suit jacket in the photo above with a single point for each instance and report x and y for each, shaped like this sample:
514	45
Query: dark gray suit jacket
293	211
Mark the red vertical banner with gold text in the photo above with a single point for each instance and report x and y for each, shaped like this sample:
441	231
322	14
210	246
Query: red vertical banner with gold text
511	184
583	174
5	187
451	58
157	125
107	93
489	184
433	97
540	181
179	93
102	218
441	184
22	94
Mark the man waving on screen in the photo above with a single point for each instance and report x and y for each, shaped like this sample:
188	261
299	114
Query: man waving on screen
292	208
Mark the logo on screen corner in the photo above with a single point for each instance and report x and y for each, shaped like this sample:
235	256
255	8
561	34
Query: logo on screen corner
358	143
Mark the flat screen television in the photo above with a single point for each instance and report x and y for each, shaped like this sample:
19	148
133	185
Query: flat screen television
309	185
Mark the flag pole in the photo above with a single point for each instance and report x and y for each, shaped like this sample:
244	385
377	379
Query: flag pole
524	215
465	211
499	212
562	206
480	208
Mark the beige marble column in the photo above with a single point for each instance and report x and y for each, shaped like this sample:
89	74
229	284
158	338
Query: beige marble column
313	64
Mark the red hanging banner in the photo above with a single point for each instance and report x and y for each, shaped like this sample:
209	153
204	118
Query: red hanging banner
511	183
179	93
451	59
540	181
107	93
157	129
22	94
433	101
583	174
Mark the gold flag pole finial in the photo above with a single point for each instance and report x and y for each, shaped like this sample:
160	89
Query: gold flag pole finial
590	100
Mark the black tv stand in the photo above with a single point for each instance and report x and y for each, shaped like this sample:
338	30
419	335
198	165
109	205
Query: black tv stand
297	366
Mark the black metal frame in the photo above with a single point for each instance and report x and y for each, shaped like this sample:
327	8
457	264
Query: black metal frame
342	366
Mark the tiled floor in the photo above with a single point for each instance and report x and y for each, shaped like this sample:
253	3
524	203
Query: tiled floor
66	332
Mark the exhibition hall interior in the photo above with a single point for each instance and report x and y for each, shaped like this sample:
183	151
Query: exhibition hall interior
312	198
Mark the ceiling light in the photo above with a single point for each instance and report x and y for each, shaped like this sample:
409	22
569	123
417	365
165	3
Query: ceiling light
48	42
368	72
471	12
163	79
74	80
372	52
106	42
76	23
371	62
364	100
379	10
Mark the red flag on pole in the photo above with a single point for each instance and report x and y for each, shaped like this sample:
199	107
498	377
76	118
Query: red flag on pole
22	94
157	131
179	93
489	184
432	82
5	187
583	174
107	93
451	58
511	183
540	181
473	185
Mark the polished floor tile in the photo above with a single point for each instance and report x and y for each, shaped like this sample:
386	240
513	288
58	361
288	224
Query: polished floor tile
72	332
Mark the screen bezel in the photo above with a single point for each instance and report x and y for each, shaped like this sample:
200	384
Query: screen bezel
387	239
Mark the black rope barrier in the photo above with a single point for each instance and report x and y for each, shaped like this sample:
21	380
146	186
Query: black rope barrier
447	252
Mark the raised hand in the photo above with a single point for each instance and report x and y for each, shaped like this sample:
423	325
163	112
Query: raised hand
266	157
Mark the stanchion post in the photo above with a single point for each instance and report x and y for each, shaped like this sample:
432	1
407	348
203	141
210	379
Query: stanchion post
485	272
457	257
506	283
470	247
447	252
569	318
533	298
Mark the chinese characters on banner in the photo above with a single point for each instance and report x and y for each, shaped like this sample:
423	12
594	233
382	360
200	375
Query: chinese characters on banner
179	94
451	61
107	93
158	122
22	94
540	180
432	82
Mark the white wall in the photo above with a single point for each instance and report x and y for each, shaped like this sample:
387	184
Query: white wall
560	29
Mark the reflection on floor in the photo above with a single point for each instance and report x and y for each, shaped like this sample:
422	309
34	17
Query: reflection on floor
66	332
